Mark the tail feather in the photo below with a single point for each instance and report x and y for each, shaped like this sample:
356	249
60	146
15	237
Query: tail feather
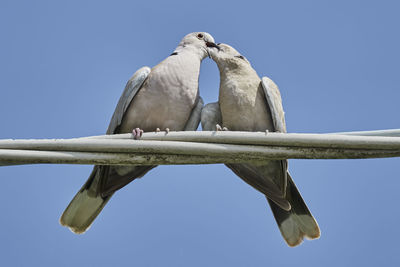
86	205
82	211
298	222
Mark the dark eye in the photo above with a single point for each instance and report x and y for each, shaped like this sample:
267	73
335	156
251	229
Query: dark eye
241	57
200	36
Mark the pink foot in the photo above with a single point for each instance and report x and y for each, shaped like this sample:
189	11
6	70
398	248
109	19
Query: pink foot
137	133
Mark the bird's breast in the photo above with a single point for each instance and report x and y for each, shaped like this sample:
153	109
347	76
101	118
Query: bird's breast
243	104
166	99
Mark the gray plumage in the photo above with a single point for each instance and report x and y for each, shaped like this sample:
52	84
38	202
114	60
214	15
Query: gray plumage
165	96
247	103
210	117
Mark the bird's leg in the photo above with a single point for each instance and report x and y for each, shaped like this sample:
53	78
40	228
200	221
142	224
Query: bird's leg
218	127
137	133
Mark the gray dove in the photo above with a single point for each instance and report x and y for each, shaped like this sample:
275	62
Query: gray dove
248	103
165	97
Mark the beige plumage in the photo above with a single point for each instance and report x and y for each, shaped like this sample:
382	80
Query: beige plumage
164	97
247	103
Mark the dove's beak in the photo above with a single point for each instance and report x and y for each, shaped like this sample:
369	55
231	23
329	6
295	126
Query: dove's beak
211	44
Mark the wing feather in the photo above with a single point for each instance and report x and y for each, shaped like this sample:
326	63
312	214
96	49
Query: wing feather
273	97
132	87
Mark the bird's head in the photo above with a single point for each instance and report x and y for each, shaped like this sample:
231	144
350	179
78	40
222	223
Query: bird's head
226	56
198	41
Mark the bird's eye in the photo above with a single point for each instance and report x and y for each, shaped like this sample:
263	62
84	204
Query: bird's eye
241	57
200	36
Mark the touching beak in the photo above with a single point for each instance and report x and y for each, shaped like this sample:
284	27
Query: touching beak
211	44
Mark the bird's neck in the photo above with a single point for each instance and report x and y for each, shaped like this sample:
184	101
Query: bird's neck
190	49
227	71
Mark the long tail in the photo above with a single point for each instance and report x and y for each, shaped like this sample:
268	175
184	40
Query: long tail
298	222
85	206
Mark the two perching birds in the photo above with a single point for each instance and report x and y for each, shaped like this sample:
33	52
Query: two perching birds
167	97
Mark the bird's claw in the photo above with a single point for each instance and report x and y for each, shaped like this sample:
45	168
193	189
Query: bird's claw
137	133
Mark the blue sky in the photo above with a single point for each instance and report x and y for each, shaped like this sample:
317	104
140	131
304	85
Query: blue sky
64	65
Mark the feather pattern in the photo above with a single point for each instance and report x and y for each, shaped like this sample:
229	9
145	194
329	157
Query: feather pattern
248	103
166	96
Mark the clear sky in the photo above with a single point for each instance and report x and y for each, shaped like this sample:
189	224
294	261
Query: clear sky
64	64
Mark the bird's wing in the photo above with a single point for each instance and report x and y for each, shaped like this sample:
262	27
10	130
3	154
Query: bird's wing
112	179
298	222
106	185
211	116
195	116
274	100
132	87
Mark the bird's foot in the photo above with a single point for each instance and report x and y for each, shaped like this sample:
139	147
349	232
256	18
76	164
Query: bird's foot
137	133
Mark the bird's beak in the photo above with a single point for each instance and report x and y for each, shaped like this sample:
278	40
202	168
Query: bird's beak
211	44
